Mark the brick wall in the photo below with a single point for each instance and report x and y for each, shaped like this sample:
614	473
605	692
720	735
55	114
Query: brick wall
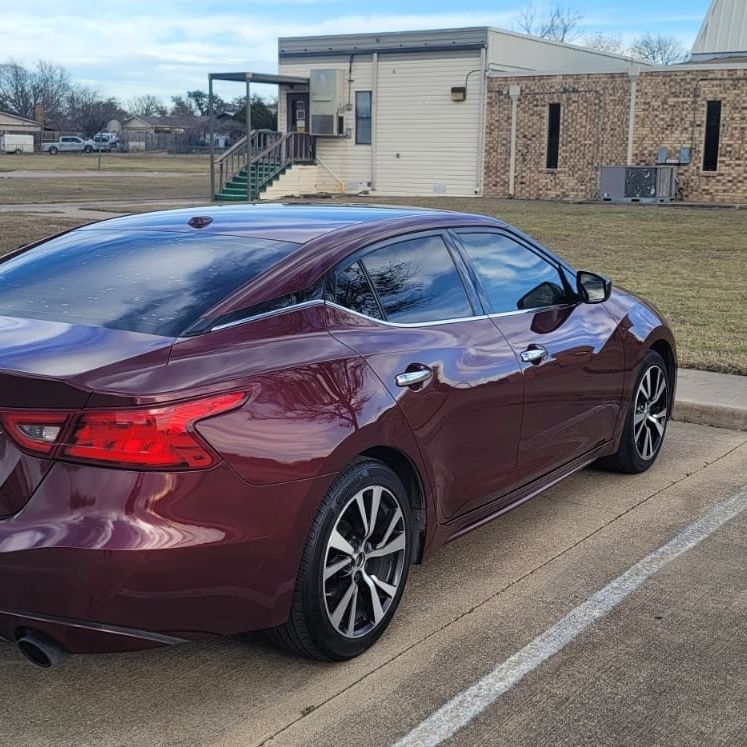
670	112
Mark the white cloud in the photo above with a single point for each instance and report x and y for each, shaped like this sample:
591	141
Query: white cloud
135	49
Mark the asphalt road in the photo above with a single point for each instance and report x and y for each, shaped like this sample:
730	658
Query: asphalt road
668	665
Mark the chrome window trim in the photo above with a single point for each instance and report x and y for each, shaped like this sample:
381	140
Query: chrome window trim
447	321
435	323
267	314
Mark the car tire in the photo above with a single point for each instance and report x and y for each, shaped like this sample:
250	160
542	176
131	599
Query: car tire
53	151
646	420
347	589
87	149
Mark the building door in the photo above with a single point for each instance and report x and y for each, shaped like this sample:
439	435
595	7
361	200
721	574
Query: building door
299	121
298	112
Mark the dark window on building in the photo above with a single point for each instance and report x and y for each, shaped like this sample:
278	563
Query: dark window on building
353	291
513	276
553	136
712	136
363	117
417	281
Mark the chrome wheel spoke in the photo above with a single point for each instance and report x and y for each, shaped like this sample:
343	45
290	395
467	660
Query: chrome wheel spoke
374	514
335	567
654	420
344	603
396	545
647	445
338	542
646	385
362	511
376	608
388	589
392	526
660	389
353	611
639	419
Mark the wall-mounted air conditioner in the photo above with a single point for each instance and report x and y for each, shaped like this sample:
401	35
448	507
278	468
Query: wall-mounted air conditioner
638	183
327	101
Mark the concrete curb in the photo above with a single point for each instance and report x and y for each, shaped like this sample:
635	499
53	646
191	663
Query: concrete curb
733	418
706	398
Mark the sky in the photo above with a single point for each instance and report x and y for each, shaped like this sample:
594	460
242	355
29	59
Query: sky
166	47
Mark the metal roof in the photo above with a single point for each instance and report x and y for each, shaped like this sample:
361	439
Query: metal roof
389	41
270	78
724	30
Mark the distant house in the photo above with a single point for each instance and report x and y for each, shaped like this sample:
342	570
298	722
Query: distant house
12	123
166	132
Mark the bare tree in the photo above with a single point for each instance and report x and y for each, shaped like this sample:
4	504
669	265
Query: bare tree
89	112
23	90
146	105
560	25
605	43
663	50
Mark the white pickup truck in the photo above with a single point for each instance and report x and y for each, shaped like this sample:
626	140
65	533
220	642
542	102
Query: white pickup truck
69	144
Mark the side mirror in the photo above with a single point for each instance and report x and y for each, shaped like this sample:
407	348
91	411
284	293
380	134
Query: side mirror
593	288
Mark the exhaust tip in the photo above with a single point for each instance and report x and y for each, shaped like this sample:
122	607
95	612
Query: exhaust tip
40	649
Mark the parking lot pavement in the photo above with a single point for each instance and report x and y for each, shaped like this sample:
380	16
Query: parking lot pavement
665	666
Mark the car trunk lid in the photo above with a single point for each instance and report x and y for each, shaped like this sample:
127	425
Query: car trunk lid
46	367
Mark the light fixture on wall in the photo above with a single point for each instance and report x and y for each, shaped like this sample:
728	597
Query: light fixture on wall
458	93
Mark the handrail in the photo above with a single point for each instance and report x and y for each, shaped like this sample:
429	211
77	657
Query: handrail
236	158
269	154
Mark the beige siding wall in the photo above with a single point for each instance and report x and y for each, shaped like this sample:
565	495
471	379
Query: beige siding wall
509	51
350	163
425	142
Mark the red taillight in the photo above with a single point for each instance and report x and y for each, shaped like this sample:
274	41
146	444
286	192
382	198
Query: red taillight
35	431
154	437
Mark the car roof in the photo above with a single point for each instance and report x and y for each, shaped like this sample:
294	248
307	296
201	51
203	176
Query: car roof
295	222
325	235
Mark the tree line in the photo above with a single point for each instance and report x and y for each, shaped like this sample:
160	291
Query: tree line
564	24
47	93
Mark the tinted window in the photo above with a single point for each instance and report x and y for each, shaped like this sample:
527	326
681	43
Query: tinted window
363	117
353	291
146	281
553	136
513	276
416	281
712	136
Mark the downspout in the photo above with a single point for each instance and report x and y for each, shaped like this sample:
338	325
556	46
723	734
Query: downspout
513	92
374	110
482	122
633	76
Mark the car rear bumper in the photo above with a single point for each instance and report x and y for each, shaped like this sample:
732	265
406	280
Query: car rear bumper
110	560
81	636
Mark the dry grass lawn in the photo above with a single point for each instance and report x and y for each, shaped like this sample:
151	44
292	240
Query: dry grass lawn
134	162
79	189
691	262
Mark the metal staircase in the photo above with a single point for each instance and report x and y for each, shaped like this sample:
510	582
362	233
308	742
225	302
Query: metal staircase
246	170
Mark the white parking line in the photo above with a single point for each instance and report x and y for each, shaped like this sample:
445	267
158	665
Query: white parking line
470	703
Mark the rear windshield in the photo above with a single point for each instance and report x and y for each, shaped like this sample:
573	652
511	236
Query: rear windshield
149	281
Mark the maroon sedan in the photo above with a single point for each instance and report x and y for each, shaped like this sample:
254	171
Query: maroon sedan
258	417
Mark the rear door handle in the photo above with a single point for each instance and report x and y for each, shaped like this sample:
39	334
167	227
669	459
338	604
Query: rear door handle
534	355
413	378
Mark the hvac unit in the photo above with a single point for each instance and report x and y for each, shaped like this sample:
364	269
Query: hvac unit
638	183
327	101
